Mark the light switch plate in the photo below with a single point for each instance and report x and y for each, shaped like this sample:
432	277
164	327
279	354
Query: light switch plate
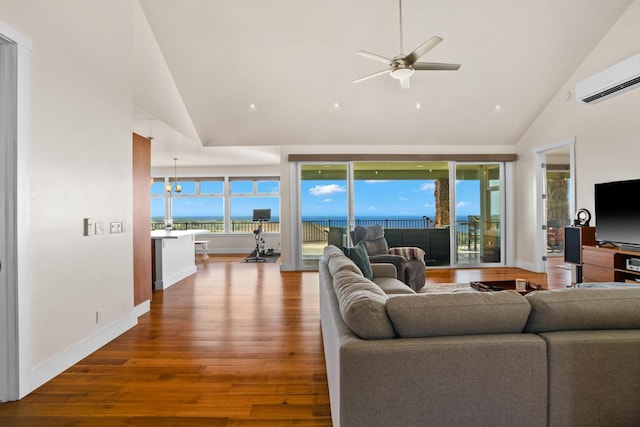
99	227
115	227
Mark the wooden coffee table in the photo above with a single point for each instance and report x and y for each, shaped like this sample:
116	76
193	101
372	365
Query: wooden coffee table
504	285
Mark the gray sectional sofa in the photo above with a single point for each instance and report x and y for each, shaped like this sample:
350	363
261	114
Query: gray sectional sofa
568	357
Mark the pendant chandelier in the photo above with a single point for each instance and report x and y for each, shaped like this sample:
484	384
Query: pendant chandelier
178	187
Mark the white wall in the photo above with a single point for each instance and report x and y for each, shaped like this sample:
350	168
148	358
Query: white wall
155	91
607	133
80	166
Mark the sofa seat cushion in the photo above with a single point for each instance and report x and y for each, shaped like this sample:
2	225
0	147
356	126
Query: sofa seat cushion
432	315
362	305
392	286
584	309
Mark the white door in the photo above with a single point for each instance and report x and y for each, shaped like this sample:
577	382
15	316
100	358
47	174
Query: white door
7	180
14	93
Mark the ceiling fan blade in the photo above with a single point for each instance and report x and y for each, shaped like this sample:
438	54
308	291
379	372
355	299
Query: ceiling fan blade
422	49
374	56
435	66
404	83
370	76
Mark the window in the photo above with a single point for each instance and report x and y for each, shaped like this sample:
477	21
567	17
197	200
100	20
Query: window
248	194
215	204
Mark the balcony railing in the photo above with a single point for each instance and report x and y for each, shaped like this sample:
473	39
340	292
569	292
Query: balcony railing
218	226
467	235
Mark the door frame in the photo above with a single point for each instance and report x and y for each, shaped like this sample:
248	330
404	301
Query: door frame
296	208
15	334
506	215
539	158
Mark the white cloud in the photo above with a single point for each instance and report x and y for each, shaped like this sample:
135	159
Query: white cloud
320	190
375	181
372	208
404	199
463	204
328	200
428	186
427	205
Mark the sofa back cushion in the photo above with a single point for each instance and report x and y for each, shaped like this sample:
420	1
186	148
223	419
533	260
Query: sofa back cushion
336	260
433	315
362	305
583	309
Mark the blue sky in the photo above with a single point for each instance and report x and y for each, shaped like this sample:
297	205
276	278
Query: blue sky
328	198
406	198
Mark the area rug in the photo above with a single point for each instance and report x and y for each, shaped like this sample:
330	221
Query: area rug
268	258
434	288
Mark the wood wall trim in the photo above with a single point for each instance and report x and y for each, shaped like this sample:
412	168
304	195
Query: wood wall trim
141	224
402	157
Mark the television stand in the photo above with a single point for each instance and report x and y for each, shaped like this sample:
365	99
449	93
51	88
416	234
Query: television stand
608	265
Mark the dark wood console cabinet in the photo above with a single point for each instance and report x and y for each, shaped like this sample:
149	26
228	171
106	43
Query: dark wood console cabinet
608	265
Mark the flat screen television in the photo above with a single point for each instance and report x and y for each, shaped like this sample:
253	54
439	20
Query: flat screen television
617	209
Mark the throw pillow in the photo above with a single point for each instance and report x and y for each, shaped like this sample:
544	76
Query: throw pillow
358	255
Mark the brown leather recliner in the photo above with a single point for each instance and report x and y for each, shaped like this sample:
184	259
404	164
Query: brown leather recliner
409	262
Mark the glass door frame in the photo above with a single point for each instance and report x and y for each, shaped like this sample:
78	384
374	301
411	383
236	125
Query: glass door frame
297	252
506	213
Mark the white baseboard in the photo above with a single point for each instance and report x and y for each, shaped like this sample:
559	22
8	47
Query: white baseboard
225	251
287	267
142	308
48	370
160	285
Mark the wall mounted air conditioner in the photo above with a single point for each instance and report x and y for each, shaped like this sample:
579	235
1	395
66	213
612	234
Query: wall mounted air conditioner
613	81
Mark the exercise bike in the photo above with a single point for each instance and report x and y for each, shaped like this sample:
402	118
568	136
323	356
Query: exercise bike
259	216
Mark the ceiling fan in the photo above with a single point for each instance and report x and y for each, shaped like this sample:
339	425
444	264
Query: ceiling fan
402	66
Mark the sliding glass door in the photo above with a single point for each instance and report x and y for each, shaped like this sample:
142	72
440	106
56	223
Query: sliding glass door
411	202
453	211
324	209
479	209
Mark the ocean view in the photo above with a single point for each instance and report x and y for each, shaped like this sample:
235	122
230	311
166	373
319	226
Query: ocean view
313	218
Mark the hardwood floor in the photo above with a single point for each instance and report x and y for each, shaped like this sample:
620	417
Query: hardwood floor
234	345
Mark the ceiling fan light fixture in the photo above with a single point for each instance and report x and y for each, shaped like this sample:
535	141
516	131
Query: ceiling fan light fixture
402	73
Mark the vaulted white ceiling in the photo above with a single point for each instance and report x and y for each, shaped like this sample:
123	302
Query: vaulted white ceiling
295	61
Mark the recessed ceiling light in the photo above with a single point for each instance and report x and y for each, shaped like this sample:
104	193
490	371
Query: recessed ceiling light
252	106
498	107
418	106
336	105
